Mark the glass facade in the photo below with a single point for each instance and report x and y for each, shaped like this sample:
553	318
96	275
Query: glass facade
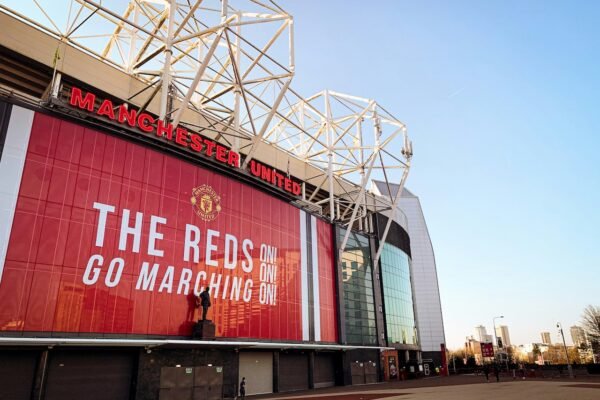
357	279
397	296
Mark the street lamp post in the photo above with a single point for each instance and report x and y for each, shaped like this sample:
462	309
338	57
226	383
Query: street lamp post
495	336
560	330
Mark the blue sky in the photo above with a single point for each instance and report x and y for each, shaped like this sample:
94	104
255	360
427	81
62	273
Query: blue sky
502	103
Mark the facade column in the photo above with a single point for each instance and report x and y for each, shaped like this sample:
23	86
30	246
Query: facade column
311	370
276	372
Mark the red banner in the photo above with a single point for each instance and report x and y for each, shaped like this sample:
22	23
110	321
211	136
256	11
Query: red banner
113	237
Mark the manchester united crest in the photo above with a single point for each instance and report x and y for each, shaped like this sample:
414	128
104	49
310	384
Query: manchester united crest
206	202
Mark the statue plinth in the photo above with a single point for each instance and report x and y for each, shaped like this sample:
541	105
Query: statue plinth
204	330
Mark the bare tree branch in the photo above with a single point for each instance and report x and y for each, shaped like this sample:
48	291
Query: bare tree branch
591	322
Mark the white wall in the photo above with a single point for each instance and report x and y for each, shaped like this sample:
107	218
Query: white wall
425	282
11	170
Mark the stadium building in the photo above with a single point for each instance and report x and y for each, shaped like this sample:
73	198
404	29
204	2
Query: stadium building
150	150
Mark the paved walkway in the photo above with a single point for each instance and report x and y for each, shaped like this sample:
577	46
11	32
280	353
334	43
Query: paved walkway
456	388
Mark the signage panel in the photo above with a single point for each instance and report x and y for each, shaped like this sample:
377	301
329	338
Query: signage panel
113	237
487	349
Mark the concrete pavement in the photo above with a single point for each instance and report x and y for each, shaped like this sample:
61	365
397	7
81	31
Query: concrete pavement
527	390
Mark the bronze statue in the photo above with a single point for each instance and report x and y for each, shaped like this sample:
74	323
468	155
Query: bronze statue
203	329
204	300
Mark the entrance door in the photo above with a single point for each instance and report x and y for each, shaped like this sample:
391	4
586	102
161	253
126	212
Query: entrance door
89	375
293	372
324	370
257	368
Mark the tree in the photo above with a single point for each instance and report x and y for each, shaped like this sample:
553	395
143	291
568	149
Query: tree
513	354
591	323
518	356
555	354
456	362
574	356
471	361
457	358
536	352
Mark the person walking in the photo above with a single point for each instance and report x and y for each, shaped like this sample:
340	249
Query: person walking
486	371
522	371
497	372
243	388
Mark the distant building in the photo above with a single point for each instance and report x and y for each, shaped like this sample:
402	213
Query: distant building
578	336
481	334
546	338
502	332
473	348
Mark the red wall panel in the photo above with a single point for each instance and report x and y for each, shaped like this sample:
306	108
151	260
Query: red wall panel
327	285
68	168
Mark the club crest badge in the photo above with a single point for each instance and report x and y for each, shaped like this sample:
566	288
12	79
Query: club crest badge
206	202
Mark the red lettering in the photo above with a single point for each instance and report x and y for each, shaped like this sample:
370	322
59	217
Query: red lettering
79	101
210	147
162	129
296	188
181	136
287	185
234	159
125	114
265	173
255	168
279	179
196	143
274	176
145	122
106	108
221	153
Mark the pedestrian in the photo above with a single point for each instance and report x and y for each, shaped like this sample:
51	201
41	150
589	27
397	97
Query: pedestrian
522	371
243	388
497	372
486	371
393	371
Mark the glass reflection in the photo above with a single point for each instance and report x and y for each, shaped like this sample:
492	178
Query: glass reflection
397	296
357	284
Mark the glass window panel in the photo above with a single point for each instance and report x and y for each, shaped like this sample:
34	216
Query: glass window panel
358	290
397	296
